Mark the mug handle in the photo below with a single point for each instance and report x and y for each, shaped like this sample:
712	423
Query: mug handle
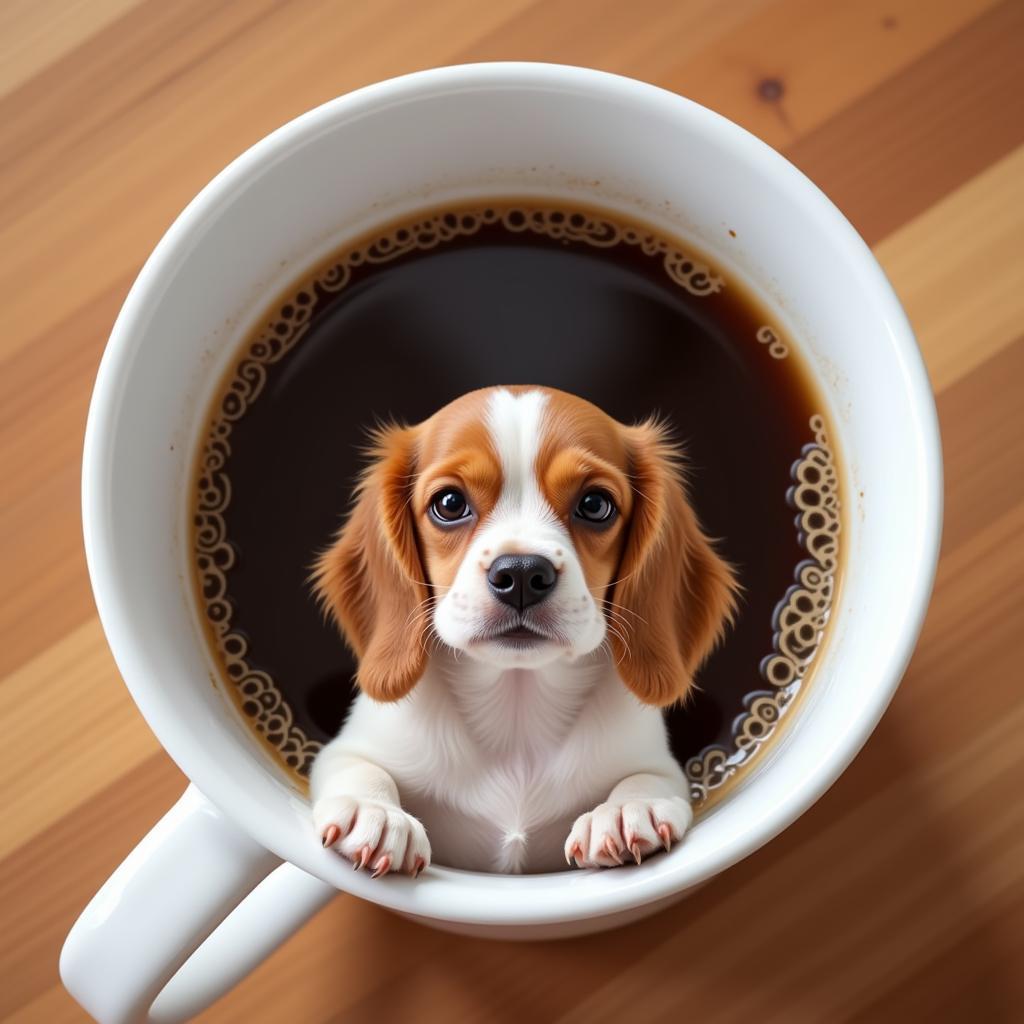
193	872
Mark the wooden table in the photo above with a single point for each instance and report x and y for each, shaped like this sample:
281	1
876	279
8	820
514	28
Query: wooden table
900	896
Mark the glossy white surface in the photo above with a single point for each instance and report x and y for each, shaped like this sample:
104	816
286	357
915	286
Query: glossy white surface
505	129
284	901
171	891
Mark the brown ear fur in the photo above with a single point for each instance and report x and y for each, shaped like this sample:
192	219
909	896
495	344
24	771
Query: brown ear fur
371	579
676	593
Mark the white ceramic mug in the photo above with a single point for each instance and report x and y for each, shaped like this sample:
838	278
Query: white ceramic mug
358	161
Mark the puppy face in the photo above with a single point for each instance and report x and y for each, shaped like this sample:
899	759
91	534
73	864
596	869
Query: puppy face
523	526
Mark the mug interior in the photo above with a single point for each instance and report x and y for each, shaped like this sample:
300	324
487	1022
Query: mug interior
496	131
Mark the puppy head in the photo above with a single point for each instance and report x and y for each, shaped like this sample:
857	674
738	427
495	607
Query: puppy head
524	526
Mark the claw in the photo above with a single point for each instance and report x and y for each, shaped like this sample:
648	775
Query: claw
573	854
418	867
635	850
381	867
612	850
666	836
364	859
331	835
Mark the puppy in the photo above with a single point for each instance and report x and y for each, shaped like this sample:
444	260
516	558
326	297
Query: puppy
524	585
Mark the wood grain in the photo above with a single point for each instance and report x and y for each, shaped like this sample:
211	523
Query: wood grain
900	895
932	126
956	267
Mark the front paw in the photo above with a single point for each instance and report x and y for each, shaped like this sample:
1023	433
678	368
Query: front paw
372	834
609	834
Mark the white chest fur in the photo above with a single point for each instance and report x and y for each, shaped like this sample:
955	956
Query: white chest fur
497	764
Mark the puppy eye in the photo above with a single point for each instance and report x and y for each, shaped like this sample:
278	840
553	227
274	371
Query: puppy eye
595	507
450	506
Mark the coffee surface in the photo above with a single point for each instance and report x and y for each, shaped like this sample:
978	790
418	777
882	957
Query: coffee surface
401	324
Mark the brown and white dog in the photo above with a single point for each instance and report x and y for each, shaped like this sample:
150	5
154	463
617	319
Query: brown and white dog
525	585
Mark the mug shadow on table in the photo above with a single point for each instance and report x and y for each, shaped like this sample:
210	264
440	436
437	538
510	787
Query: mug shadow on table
822	921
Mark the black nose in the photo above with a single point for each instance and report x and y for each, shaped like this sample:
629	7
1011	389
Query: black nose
521	580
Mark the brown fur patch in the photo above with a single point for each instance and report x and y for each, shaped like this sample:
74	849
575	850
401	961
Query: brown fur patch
667	594
371	579
582	448
673	587
456	450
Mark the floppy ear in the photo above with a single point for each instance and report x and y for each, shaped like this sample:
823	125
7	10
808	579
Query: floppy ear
371	579
677	593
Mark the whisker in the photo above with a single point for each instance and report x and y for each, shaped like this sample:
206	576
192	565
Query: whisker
422	608
618	629
618	661
622	610
615	615
619	636
618	580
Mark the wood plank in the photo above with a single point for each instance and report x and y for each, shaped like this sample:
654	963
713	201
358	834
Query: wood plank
37	33
646	38
44	397
54	1006
47	589
918	998
983	445
789	69
956	270
48	761
925	131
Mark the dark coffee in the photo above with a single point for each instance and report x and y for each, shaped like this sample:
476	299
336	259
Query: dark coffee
398	325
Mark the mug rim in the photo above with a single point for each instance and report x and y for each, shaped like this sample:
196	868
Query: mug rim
446	893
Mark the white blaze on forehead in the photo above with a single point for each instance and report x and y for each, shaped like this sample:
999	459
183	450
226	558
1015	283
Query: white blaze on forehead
515	425
521	522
